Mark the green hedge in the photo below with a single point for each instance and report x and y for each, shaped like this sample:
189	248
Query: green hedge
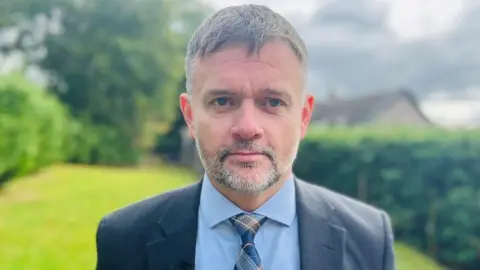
102	145
428	180
33	127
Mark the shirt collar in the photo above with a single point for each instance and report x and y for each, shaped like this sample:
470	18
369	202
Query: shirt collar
216	208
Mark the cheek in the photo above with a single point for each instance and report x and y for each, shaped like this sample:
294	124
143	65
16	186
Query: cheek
284	136
212	133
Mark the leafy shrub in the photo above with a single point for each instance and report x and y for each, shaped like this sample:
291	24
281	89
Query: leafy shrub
101	145
33	127
428	180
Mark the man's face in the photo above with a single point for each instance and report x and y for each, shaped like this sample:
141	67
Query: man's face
248	114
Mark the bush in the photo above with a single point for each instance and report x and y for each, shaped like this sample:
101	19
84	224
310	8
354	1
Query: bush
33	127
101	145
428	180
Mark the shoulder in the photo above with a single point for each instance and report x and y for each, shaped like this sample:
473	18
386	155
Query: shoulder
137	216
122	233
340	203
368	228
357	217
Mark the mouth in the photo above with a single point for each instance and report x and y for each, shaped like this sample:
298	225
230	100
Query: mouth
246	153
246	156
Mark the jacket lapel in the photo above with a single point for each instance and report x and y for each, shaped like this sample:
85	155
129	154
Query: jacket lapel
172	245
322	243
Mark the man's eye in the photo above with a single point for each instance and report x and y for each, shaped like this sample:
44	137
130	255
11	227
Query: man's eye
274	102
221	101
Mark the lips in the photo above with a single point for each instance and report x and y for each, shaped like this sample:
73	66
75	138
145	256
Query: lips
246	153
246	156
243	151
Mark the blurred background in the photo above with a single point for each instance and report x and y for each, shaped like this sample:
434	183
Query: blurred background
89	118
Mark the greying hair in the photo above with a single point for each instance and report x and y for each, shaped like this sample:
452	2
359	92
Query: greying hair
248	25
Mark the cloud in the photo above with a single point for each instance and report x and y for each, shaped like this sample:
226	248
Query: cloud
301	8
354	47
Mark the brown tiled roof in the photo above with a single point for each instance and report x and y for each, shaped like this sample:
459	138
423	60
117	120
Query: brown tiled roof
361	109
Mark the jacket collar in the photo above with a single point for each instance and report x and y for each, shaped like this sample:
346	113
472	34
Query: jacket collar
322	241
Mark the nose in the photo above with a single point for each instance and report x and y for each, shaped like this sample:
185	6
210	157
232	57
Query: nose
247	126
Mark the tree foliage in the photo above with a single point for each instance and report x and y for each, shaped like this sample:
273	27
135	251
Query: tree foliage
116	64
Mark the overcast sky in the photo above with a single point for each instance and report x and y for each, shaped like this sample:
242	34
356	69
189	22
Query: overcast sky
360	46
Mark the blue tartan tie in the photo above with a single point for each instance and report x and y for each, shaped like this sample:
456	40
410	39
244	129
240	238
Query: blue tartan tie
247	225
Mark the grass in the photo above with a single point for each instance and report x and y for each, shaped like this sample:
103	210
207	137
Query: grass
48	220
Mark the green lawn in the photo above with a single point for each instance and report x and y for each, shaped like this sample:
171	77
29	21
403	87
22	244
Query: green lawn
48	220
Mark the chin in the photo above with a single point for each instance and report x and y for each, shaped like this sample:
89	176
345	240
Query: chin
250	177
254	175
252	181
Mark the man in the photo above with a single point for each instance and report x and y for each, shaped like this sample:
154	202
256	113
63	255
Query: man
247	109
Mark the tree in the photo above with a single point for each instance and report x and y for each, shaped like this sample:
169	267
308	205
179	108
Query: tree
114	63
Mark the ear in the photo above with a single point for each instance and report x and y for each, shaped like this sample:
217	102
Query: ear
307	111
186	108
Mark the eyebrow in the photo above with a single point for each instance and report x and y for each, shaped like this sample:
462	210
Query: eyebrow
217	92
270	91
220	92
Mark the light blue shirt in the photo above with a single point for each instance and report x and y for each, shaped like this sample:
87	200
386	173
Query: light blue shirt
218	244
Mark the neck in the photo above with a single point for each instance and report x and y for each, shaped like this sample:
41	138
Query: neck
250	202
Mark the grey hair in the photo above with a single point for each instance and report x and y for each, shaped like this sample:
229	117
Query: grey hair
249	25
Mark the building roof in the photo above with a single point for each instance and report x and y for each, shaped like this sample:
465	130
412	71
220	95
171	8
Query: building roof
362	109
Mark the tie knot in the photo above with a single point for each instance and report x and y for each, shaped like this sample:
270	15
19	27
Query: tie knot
247	225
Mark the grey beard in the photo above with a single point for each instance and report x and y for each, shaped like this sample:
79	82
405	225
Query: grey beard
215	168
236	182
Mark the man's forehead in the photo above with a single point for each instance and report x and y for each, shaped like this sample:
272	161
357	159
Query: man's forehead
234	69
276	52
275	60
245	82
